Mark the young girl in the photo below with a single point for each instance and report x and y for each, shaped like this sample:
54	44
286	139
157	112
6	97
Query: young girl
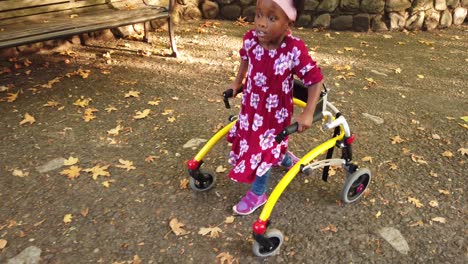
270	56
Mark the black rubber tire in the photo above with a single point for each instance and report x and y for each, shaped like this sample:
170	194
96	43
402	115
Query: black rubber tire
355	185
203	186
275	236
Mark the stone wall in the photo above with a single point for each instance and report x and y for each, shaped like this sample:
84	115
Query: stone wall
357	15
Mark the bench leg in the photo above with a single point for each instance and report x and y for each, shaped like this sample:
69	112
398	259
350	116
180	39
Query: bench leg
145	32
171	37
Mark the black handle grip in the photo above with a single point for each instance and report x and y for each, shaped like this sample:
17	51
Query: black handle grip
287	131
227	94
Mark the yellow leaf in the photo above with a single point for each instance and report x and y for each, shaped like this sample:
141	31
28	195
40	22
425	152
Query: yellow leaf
115	131
220	169
397	140
229	220
19	173
110	108
348	49
126	164
440	220
416	202
463	151
368	158
184	184
212	232
387	36
51	104
330	227
418	159
393	166
150	158
106	183
70	161
67	218
142	114
464	118
435	136
420	76
73	15
98	171
132	93
82	102
398	70
463	125
433	203
167	111
3	243
156	102
11	97
72	172
177	227
27	119
378	214
446	192
171	119
224	257
447	154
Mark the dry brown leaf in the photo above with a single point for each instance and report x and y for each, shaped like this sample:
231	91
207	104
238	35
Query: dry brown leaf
229	220
177	227
110	108
167	112
67	218
11	97
330	227
115	131
393	166
397	140
82	102
136	260
142	114
3	243
433	203
226	258
418	159
212	232
98	170
70	161
132	93
20	173
220	169
72	172
367	158
28	119
445	192
184	184
440	219
435	136
126	164
416	202
417	223
88	114
150	159
84	212
447	154
463	151
171	119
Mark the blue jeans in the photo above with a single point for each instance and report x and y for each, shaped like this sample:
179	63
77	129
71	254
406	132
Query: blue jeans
259	186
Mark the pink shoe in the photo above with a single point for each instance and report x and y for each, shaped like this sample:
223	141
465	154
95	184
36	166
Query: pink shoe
294	159
249	203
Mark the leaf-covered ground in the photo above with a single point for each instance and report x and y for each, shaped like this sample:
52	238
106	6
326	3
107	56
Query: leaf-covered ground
92	162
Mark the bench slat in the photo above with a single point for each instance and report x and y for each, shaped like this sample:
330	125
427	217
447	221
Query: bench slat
17	4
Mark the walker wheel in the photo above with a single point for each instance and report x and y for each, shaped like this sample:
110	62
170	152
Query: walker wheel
355	185
204	185
276	238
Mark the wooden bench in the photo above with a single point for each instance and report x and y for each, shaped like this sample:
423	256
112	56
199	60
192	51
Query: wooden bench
29	21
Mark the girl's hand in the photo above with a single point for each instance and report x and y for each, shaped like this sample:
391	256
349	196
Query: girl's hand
305	121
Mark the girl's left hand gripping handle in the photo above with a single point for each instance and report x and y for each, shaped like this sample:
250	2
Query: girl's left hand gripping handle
228	94
286	132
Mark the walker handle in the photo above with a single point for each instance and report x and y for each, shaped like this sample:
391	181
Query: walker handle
228	94
287	131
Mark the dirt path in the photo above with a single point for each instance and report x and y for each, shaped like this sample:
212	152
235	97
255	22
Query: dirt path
415	83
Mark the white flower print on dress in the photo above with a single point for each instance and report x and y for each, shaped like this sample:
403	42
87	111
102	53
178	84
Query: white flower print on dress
255	160
263	168
264	89
244	121
258	122
286	86
281	115
232	158
281	64
240	168
307	68
258	51
232	131
267	139
244	146
254	100
249	43
296	53
272	53
276	151
271	102
260	79
249	86
244	98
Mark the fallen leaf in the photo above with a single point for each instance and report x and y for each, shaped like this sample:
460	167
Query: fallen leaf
51	104
330	227
67	218
416	202
72	172
167	112
212	232
28	119
440	220
463	151
433	203
98	171
445	192
393	166
367	158
229	220
378	214
435	136
110	108
397	140
84	212
447	154
184	184
115	131
136	260
417	223
150	159
20	173
82	102
171	119
177	227
70	161
142	114
386	36
398	70
11	97
464	118
3	243
420	76
132	93
226	258
220	169
126	164
418	159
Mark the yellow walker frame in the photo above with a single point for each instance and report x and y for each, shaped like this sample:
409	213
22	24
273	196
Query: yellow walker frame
357	180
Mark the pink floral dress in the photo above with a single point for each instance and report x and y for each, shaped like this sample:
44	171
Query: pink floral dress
267	104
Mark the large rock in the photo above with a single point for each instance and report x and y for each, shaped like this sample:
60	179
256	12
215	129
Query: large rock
453	3
246	2
303	21
231	12
459	15
311	5
361	22
397	20
342	23
432	20
397	5
210	9
30	255
327	6
422	5
440	5
415	21
373	6
378	24
350	5
322	21
249	13
445	19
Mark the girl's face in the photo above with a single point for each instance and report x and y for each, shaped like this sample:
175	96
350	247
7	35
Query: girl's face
271	24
